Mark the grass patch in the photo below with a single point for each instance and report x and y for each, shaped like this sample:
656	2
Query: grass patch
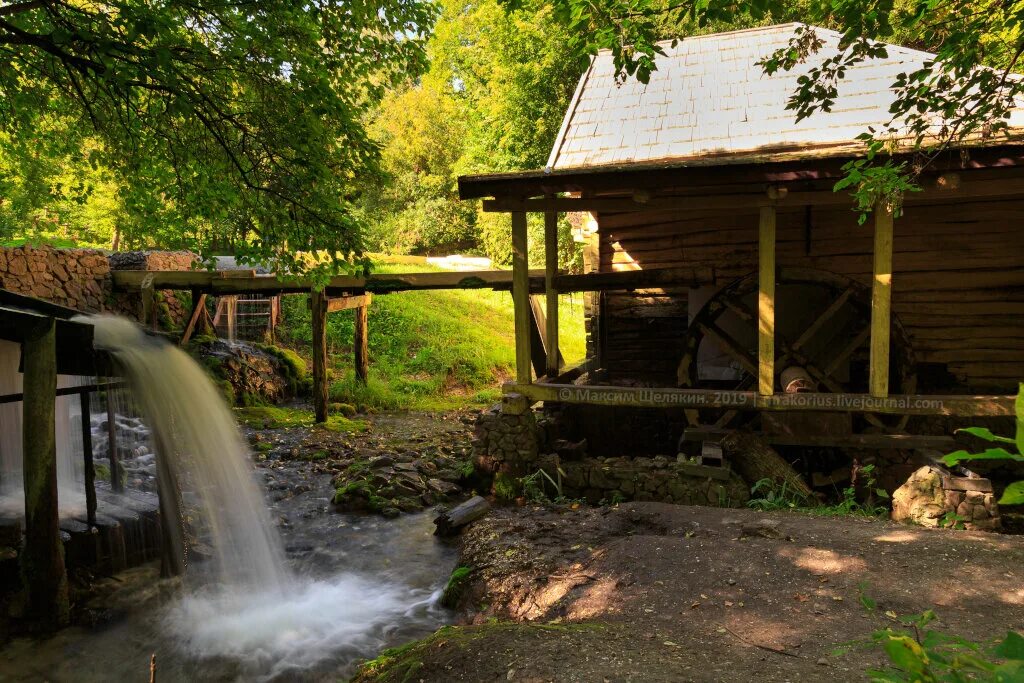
274	417
401	664
429	350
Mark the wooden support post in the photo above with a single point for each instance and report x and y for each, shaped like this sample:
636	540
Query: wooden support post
766	302
550	271
198	309
90	472
318	310
115	464
521	297
42	559
361	343
881	298
148	303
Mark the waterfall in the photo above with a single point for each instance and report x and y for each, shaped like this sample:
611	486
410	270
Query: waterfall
200	448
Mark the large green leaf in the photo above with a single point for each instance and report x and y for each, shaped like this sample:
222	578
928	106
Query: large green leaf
1018	407
985	434
1012	646
1014	494
957	457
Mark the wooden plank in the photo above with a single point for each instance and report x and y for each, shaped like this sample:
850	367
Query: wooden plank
521	297
550	271
198	308
318	308
538	343
90	470
344	303
500	280
766	302
42	556
361	341
907	441
989	188
656	397
881	301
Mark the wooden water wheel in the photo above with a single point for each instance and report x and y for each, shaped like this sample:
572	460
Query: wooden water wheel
822	323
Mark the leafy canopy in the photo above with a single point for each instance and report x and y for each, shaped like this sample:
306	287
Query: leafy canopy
226	120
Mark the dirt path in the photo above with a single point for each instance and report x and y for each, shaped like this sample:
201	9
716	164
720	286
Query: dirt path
654	592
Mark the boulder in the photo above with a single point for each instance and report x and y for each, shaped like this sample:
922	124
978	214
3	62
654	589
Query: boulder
254	375
930	498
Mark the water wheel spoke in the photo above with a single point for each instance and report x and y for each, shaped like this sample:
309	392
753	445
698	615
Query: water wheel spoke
848	350
730	346
825	316
740	309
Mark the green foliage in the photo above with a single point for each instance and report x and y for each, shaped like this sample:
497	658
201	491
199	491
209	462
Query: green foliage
920	654
273	417
428	350
766	495
1010	449
535	486
222	122
506	487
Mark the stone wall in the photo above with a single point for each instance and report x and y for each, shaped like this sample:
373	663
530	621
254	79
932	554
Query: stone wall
510	445
80	278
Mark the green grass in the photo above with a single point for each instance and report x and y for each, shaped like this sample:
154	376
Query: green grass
272	417
429	350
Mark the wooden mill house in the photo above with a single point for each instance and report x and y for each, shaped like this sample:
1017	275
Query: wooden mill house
737	288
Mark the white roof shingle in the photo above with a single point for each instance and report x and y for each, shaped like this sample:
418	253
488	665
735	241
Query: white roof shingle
709	98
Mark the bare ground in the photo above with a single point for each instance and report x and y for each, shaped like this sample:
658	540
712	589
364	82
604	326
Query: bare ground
655	592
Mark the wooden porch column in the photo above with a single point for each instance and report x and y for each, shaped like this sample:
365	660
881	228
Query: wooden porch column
42	560
318	313
521	297
550	270
881	298
766	302
361	343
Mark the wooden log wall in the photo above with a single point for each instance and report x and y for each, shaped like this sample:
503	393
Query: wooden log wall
958	279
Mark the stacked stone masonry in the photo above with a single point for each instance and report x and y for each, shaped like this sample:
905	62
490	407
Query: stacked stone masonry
508	443
80	278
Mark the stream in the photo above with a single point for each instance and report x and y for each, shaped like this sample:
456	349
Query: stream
366	583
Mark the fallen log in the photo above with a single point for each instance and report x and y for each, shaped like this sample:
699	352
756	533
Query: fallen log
450	523
754	460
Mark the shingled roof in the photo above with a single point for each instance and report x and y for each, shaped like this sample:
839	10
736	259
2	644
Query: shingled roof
709	99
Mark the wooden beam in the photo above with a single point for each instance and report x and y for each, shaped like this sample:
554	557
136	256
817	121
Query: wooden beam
198	309
766	302
344	303
90	470
318	312
499	280
881	302
538	332
900	441
521	297
550	271
361	341
988	188
654	397
42	557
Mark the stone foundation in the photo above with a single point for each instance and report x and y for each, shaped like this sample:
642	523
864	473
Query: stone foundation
510	444
931	496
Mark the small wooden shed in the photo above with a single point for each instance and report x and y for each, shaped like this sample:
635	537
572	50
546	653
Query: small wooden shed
729	279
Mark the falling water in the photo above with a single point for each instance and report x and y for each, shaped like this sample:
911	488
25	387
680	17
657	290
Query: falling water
250	608
199	445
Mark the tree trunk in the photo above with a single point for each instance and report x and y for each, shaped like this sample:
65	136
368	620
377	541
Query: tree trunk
755	460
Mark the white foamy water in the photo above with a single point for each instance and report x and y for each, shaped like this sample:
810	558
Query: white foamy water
348	615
